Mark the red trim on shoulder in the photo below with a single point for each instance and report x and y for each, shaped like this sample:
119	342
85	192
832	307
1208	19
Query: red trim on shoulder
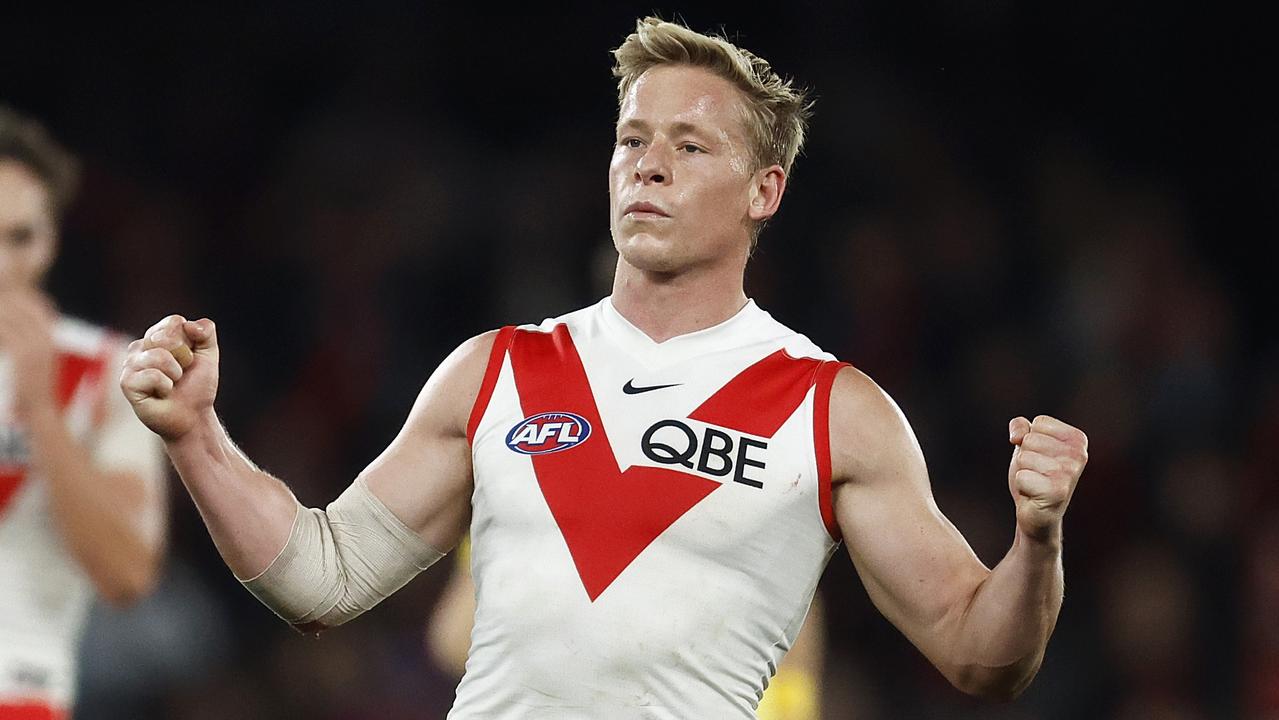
821	442
501	343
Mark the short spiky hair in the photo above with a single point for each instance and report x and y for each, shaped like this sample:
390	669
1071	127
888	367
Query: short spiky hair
25	140
776	111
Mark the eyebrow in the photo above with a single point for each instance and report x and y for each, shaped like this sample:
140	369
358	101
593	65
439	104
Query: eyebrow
679	128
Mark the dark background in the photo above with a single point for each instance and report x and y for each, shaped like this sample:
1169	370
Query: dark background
1003	208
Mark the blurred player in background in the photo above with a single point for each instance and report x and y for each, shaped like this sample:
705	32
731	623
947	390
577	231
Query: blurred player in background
793	694
652	484
82	497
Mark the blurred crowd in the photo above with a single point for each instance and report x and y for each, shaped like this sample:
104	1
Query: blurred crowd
349	204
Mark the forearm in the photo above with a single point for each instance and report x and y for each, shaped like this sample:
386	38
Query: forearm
102	516
1004	629
248	512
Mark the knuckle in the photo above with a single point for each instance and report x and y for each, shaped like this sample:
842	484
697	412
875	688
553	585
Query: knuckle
152	359
166	326
136	381
140	380
167	342
157	379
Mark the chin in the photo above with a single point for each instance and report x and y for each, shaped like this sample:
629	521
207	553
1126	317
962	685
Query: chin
644	251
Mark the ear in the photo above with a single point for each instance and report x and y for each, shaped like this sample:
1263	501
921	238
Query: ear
767	188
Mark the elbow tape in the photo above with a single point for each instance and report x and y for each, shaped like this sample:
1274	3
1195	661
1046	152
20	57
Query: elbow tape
341	561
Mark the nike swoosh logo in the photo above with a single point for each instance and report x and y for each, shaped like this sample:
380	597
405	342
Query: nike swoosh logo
630	389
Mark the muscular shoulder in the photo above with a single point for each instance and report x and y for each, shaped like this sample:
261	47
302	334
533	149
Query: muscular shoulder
446	400
871	440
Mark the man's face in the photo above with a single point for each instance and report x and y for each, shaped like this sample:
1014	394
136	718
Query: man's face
681	178
28	233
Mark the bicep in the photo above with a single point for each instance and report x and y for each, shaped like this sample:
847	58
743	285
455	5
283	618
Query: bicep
916	566
424	476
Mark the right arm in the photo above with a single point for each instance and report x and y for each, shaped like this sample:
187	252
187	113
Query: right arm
423	478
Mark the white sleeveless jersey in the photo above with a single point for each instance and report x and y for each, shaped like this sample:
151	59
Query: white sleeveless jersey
649	519
44	595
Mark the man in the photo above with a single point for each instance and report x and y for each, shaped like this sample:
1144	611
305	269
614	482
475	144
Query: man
653	483
81	480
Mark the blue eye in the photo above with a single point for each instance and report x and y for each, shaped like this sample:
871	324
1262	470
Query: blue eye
690	149
631	142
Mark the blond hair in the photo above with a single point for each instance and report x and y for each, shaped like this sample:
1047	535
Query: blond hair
776	112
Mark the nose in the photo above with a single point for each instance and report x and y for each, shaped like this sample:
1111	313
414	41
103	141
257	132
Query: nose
653	167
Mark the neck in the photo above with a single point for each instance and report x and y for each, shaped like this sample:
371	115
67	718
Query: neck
665	305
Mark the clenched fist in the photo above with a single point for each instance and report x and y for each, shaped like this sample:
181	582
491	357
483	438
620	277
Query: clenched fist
171	375
1048	458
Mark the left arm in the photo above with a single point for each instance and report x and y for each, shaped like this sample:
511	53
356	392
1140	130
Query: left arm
448	630
795	692
985	630
108	501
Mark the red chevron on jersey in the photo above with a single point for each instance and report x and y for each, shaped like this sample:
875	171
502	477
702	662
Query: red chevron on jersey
762	396
608	516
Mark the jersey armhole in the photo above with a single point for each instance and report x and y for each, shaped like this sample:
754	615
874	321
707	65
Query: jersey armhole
821	443
501	343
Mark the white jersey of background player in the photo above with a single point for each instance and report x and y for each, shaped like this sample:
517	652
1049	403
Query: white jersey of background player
81	480
706	136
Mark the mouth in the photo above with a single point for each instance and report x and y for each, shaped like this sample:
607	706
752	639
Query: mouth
644	211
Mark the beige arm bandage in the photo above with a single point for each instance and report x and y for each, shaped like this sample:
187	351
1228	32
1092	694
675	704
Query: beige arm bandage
341	561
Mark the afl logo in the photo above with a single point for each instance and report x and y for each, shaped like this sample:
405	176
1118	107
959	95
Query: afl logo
548	432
